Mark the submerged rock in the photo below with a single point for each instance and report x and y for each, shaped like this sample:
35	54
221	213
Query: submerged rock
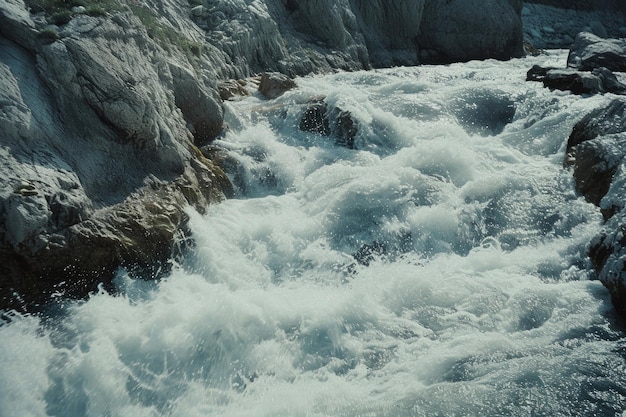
320	119
315	118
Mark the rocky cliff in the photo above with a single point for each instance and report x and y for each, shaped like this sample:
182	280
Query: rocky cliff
103	105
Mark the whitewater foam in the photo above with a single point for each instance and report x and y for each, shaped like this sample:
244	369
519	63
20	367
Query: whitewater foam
436	269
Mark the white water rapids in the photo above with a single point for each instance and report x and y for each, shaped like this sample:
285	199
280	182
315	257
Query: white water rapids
435	270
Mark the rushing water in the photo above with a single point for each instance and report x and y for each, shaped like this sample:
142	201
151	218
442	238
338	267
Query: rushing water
437	269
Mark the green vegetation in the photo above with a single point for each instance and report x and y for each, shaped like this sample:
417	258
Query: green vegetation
163	34
59	12
50	35
62	8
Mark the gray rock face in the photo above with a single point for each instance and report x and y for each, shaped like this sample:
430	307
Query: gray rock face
596	149
461	30
98	160
299	37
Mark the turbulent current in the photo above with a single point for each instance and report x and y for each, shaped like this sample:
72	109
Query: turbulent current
436	268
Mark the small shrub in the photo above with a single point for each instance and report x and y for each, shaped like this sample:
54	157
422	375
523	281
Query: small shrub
49	35
61	18
96	11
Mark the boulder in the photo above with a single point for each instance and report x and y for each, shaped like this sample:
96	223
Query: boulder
595	163
598	81
599	122
597	150
590	51
320	119
315	118
275	84
607	252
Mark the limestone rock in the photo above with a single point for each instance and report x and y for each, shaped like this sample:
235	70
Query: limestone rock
590	51
462	30
232	88
600	122
275	84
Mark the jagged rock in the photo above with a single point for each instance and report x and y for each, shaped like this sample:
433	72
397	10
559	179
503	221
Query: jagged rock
315	118
86	119
232	88
590	51
319	119
600	122
275	84
595	164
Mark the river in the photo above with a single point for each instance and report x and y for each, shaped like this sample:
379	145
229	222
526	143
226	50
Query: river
436	269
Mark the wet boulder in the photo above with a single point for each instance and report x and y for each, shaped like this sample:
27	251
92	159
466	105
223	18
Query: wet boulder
595	164
596	149
590	51
315	118
607	253
598	81
602	121
275	84
320	119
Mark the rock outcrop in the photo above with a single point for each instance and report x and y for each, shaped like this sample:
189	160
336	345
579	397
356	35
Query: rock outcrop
103	107
589	52
590	65
470	29
597	151
555	23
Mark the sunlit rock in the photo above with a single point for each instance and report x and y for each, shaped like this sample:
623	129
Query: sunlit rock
275	84
590	51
